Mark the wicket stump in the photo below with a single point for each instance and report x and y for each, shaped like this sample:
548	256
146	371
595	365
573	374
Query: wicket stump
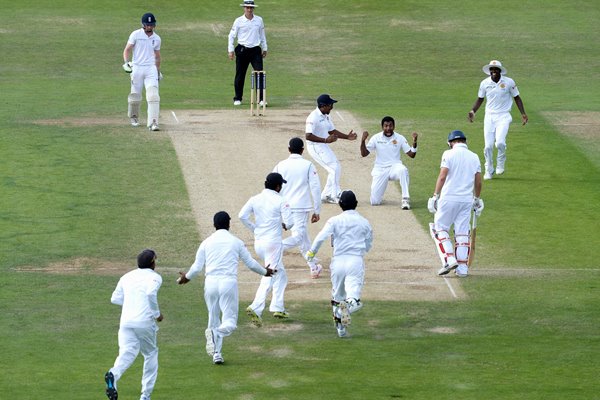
258	92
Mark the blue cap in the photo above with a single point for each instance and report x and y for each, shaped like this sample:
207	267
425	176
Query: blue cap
325	99
455	135
148	19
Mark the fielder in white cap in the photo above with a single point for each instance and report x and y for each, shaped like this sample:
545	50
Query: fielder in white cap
500	91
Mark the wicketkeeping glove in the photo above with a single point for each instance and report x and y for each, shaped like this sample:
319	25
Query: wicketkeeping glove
128	67
432	204
477	206
309	255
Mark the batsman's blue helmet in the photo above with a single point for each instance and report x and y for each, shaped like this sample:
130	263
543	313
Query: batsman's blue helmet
148	19
455	135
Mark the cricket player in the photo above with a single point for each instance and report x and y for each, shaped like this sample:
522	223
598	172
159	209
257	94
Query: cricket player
457	192
500	91
137	293
272	214
388	166
144	68
303	193
351	237
320	131
221	253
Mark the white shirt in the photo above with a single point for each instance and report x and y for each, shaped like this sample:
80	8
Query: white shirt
270	210
351	234
303	188
387	148
137	293
144	47
320	125
221	253
462	166
499	95
249	32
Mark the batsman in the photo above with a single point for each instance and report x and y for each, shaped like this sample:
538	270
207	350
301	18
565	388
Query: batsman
457	194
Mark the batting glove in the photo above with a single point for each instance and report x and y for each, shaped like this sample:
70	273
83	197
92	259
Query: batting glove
432	204
309	255
128	67
477	206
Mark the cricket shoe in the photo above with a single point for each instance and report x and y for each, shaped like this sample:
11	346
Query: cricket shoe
144	397
405	203
344	313
218	359
341	330
154	127
489	174
329	200
210	342
499	171
111	390
237	102
281	315
134	121
448	267
255	319
316	271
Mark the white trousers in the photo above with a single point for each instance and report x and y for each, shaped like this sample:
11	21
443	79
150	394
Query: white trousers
272	254
457	214
221	297
325	157
132	341
299	237
381	176
347	277
495	130
144	77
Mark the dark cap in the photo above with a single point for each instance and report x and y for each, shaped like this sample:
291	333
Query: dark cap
296	144
325	99
348	200
455	135
221	220
275	179
146	258
148	19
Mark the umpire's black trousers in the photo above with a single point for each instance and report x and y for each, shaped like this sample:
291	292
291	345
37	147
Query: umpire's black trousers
245	56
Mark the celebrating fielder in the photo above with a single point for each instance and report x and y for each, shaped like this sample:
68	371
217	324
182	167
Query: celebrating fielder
145	71
457	192
351	237
499	91
388	166
221	252
302	191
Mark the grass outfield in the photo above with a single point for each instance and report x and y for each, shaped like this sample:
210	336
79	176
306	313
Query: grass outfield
77	183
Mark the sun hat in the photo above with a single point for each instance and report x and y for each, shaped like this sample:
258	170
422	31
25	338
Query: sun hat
494	64
248	3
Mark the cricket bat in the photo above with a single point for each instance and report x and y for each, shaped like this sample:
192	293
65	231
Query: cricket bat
473	239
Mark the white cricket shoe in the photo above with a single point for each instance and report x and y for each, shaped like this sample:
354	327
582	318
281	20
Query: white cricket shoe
210	342
329	200
405	203
154	127
134	121
237	102
499	171
452	264
341	330
218	359
316	271
488	175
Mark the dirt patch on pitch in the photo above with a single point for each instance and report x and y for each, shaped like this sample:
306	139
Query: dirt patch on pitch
225	156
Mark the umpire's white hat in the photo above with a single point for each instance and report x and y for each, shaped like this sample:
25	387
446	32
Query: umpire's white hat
494	64
248	3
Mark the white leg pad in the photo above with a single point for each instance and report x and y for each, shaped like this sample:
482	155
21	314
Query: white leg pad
133	104
353	305
463	248
444	246
153	99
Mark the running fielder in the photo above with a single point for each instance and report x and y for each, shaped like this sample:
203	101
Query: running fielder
351	237
221	253
499	91
457	192
145	71
302	191
388	166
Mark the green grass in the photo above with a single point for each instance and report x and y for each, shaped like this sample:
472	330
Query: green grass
105	191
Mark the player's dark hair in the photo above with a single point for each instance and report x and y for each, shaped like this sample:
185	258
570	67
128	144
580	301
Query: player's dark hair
388	119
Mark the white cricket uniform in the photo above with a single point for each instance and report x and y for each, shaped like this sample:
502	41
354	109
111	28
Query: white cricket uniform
221	253
320	125
137	293
351	238
388	164
499	98
249	32
270	211
456	198
303	193
145	73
